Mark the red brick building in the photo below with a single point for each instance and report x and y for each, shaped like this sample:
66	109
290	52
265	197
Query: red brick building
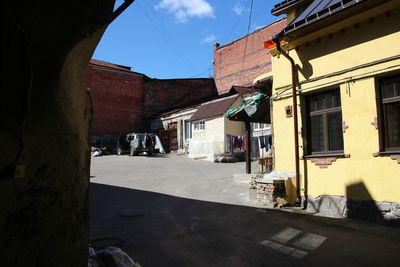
241	61
165	95
117	98
123	100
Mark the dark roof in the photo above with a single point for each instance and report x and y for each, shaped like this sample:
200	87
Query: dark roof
109	65
214	108
241	89
177	110
324	10
283	6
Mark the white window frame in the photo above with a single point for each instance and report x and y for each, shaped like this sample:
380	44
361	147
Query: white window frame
199	126
187	127
260	126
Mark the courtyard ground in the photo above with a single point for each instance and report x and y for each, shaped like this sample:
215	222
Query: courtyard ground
174	211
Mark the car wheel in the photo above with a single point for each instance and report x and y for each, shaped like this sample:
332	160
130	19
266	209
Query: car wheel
119	151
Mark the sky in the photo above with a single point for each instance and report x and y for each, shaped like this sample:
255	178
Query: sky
169	39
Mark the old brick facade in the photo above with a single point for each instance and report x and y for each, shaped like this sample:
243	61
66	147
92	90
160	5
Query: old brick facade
165	95
123	101
117	98
233	67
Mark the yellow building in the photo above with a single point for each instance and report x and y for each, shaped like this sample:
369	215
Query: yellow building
347	58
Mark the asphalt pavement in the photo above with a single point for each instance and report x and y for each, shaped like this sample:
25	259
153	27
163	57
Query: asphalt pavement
174	211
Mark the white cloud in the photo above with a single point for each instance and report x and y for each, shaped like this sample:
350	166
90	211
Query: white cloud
184	9
238	8
209	39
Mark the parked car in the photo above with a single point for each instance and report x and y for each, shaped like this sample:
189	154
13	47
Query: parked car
136	143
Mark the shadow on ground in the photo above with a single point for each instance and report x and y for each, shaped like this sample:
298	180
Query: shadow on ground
162	230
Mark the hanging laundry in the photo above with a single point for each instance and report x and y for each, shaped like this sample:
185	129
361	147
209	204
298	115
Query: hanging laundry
241	143
238	142
269	141
255	149
262	142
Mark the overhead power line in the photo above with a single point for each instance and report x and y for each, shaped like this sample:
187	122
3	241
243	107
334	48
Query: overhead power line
247	36
167	37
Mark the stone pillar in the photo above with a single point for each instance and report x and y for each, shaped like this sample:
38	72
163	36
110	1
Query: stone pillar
44	130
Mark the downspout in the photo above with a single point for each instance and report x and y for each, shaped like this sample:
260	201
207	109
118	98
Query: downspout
248	146
277	39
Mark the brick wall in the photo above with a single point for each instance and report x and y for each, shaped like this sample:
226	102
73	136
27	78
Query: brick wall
228	59
124	101
117	97
164	95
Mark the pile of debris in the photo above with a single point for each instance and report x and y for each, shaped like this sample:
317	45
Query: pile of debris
230	157
269	192
100	151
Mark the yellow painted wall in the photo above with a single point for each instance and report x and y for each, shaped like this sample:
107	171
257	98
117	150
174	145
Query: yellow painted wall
358	44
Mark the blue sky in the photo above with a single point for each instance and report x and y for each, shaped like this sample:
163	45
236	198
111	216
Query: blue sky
169	39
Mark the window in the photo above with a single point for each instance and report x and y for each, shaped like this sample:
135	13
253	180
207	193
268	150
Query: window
389	105
260	126
188	130
324	123
199	125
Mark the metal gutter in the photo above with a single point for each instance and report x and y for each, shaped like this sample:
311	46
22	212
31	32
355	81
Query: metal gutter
277	39
348	78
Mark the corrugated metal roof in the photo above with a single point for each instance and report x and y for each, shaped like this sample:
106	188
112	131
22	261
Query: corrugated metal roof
317	10
213	108
282	6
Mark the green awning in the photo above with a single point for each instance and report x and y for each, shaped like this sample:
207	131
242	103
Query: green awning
254	110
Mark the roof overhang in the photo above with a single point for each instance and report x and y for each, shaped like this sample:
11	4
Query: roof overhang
326	17
263	80
214	108
284	6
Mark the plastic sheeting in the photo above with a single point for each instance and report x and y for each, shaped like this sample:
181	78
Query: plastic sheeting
158	145
205	148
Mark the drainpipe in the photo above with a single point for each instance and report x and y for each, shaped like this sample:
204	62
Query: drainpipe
277	39
248	147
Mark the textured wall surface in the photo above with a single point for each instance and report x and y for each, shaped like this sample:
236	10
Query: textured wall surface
124	101
241	61
44	130
117	97
343	49
165	95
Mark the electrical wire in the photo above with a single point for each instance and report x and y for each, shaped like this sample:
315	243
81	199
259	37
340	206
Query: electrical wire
235	24
205	71
169	40
247	37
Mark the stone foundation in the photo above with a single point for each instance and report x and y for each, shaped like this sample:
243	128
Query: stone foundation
387	213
